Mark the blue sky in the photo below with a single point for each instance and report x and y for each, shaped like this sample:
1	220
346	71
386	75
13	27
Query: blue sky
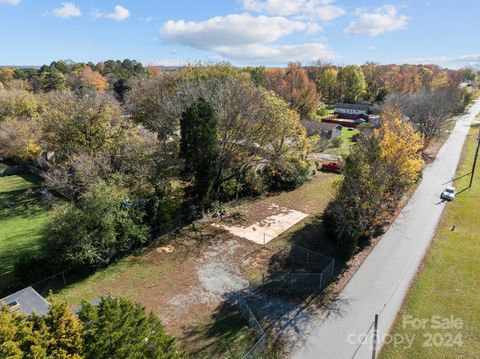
243	32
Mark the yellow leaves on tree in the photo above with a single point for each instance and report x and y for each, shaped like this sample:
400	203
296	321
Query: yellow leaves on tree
6	75
440	80
59	334
92	79
19	138
400	146
20	104
64	332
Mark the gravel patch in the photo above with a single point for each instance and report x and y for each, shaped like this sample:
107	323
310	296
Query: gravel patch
218	276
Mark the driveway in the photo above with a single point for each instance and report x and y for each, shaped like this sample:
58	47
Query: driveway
381	283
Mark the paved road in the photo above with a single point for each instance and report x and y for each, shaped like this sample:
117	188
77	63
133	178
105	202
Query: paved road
382	281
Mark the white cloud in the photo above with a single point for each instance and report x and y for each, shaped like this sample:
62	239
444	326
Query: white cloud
10	2
67	10
168	63
247	38
278	54
381	20
311	9
119	13
462	60
231	30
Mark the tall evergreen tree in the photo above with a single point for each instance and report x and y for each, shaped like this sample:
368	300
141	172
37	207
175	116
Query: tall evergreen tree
118	328
199	147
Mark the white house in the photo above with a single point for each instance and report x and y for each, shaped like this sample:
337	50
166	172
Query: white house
351	109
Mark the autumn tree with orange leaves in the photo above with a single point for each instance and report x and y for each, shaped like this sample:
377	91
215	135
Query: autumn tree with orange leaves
294	86
92	79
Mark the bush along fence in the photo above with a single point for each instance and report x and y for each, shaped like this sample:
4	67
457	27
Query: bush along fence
322	268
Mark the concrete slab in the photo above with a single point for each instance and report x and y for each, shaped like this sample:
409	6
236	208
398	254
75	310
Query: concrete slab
267	229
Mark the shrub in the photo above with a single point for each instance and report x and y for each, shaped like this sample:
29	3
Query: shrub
322	110
336	141
165	205
102	227
287	174
230	189
253	184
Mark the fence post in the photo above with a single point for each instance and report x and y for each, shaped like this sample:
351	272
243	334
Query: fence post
321	281
64	281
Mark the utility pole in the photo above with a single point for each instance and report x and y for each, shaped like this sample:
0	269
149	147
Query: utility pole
375	334
474	160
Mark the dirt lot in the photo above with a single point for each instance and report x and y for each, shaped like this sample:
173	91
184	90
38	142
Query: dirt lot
190	284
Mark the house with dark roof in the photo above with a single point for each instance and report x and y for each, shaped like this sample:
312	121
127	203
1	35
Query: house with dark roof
324	129
352	110
26	301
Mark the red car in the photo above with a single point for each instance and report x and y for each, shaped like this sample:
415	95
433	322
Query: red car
332	166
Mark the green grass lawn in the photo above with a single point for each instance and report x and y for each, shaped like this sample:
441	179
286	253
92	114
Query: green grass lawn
448	283
346	145
328	114
20	225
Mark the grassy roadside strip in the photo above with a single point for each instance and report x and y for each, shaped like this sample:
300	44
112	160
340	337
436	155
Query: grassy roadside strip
447	284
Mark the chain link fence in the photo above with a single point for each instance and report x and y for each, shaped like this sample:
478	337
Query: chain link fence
301	282
322	268
309	259
259	347
60	280
175	224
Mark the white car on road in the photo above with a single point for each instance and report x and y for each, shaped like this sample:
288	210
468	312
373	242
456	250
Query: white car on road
448	193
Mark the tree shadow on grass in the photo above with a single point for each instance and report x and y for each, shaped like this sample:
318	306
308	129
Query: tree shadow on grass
314	236
16	203
225	335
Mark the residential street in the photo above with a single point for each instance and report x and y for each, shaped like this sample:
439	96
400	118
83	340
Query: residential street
381	283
